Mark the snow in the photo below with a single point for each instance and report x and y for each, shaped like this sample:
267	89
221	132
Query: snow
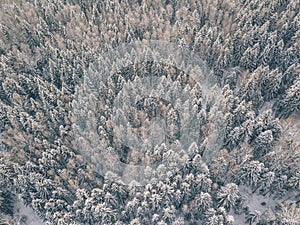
255	202
31	217
266	106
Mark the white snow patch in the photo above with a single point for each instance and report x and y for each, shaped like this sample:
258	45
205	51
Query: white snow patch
255	202
31	217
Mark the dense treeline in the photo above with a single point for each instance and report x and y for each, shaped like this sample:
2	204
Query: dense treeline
249	120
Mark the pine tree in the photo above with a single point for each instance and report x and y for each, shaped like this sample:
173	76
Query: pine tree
228	196
289	214
290	102
270	84
263	143
251	172
249	58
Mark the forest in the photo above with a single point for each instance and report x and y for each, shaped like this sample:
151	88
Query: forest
149	112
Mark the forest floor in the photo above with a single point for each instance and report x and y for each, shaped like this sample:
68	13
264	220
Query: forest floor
258	204
26	212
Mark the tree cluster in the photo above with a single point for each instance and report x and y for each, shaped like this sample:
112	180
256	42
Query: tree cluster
244	130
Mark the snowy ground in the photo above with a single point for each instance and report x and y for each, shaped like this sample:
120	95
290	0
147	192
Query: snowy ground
22	211
258	204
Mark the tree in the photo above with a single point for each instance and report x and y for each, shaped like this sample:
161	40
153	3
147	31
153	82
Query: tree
249	58
253	217
289	76
203	201
169	214
38	205
267	180
263	144
228	195
294	181
219	166
47	47
111	200
135	222
290	103
270	84
155	200
250	173
103	213
262	123
252	91
178	221
236	137
6	202
289	214
211	218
